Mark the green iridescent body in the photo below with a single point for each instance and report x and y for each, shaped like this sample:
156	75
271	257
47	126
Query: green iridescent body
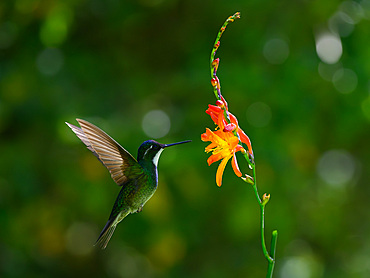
138	178
135	193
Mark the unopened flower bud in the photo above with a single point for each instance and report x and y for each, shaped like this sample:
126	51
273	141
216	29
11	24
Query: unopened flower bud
215	82
219	103
265	198
215	64
229	127
248	179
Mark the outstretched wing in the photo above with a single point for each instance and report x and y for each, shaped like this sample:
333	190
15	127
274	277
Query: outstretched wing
120	163
80	134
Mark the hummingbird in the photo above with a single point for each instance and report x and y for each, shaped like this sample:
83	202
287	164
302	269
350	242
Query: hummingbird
137	177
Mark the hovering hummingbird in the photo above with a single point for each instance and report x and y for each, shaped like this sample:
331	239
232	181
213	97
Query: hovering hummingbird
138	178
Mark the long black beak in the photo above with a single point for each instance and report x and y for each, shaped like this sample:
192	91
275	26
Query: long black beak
178	143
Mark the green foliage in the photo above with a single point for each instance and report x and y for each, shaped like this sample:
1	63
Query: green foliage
112	62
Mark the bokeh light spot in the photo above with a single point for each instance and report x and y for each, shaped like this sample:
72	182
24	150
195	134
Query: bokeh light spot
345	80
55	28
276	51
50	61
328	47
359	264
336	167
259	114
365	5
341	24
304	266
156	124
353	10
327	71
295	267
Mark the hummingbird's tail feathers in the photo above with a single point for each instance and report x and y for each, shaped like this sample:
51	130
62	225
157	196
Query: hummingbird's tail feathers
106	234
111	225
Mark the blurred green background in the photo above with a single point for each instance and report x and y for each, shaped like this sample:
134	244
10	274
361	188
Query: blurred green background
295	73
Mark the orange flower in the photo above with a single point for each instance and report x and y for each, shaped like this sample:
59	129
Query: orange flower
223	146
217	113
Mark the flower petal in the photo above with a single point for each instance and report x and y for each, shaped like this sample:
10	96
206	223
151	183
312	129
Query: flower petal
214	116
220	170
233	119
214	108
245	139
234	164
232	140
214	137
207	136
222	122
204	137
214	158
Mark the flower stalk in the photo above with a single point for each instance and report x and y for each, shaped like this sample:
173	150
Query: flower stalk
229	138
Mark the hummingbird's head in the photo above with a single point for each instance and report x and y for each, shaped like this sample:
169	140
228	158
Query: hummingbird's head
151	150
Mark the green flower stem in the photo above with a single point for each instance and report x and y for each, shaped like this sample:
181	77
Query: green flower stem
262	216
271	265
270	257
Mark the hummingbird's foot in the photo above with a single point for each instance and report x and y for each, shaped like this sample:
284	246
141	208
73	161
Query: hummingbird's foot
140	209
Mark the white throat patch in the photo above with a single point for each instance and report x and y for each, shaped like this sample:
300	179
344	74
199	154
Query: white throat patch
156	157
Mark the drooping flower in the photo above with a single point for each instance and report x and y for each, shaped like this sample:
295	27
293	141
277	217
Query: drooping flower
223	146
